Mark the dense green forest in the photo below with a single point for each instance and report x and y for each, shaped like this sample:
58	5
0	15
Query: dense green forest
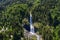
14	14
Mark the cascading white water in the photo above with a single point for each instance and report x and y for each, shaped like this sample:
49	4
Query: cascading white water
38	37
32	28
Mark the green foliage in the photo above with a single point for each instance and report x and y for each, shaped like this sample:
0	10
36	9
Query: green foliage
45	15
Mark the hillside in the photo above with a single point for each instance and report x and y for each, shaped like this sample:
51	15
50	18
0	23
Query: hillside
15	19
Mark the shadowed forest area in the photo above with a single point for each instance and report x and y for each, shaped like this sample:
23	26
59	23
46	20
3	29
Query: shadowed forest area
15	16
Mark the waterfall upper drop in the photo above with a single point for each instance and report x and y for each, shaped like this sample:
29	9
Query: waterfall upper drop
31	26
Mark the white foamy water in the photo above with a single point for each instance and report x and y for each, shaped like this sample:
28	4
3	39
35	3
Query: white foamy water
38	37
32	28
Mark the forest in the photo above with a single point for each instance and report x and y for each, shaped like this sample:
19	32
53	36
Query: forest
14	14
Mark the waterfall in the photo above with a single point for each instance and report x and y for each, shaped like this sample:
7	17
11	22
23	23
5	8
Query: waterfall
31	26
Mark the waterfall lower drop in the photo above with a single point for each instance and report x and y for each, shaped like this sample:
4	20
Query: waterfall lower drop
32	28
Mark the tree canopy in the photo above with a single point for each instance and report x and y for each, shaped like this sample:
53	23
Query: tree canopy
14	14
